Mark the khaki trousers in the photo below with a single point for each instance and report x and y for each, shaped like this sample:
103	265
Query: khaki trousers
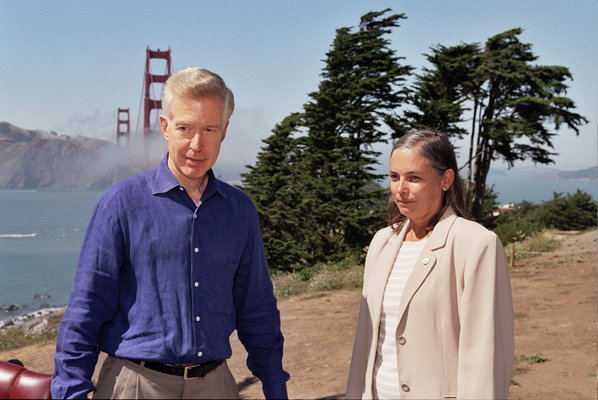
122	379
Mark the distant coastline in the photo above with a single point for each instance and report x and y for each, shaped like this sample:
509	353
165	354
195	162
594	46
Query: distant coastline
538	184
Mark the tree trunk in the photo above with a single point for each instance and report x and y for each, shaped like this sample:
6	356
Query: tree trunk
482	168
469	185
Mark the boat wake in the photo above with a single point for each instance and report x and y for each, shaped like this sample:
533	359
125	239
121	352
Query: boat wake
17	235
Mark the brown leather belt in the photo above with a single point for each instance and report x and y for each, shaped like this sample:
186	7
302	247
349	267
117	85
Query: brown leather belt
186	371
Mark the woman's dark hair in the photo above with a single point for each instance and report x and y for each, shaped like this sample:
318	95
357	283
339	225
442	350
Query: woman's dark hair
437	149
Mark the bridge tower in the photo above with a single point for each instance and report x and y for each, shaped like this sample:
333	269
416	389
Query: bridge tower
123	125
150	103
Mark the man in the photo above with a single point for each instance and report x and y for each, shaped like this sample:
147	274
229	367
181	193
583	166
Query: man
171	264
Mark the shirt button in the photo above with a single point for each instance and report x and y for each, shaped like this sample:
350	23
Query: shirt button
425	261
402	340
194	216
181	188
196	249
405	388
199	354
197	318
196	284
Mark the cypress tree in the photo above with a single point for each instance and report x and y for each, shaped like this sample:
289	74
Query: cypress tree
271	187
515	106
326	203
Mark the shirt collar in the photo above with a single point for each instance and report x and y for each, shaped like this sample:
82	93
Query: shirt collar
165	181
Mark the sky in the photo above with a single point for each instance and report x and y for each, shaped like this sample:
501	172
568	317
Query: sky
68	65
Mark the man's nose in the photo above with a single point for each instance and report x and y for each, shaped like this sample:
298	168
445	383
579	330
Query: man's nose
195	143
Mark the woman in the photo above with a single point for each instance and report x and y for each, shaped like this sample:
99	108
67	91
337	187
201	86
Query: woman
436	316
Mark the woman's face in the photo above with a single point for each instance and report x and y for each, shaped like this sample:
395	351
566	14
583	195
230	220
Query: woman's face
416	188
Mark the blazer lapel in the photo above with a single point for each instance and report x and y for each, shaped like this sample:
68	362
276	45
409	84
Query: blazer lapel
427	260
384	264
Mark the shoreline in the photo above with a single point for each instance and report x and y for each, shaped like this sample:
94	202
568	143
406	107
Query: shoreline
33	320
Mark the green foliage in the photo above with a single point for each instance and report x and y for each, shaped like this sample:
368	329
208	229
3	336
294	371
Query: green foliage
533	359
488	219
512	229
572	211
313	183
276	194
514	105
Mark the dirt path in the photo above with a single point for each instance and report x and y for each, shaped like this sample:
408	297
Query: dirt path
555	320
555	317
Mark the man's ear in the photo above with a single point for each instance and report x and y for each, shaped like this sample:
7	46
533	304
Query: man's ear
164	126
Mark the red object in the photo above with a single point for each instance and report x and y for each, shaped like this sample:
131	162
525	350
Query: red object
17	382
149	103
123	126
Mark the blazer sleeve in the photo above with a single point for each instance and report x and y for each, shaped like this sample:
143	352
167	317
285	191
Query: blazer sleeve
486	342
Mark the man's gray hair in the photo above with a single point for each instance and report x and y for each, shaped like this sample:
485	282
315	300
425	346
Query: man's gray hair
197	83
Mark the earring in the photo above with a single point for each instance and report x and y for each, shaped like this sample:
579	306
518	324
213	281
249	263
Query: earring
444	189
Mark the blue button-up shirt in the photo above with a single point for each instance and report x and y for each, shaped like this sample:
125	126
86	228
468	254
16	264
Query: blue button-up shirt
162	279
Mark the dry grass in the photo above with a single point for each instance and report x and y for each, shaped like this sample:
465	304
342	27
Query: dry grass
541	242
328	278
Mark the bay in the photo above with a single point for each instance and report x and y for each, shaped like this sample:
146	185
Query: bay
515	188
40	237
41	233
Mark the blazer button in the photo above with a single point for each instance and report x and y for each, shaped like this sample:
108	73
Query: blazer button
425	261
405	388
402	340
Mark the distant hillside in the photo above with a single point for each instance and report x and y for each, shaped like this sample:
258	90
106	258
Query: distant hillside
542	172
38	159
32	159
588	173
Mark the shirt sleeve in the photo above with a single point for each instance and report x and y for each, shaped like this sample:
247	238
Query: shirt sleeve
258	318
93	301
486	343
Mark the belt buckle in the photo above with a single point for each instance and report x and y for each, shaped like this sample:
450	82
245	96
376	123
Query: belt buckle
187	368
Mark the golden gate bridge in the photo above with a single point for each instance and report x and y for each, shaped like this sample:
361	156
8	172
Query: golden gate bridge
151	102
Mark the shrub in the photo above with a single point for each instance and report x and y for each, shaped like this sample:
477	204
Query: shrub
288	284
516	229
345	274
540	242
327	279
573	211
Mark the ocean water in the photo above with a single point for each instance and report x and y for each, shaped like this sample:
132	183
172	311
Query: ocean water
41	233
514	188
40	236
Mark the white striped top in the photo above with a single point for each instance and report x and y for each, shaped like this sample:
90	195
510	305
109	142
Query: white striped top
386	377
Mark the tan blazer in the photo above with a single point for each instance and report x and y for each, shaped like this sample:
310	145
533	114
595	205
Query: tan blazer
455	336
